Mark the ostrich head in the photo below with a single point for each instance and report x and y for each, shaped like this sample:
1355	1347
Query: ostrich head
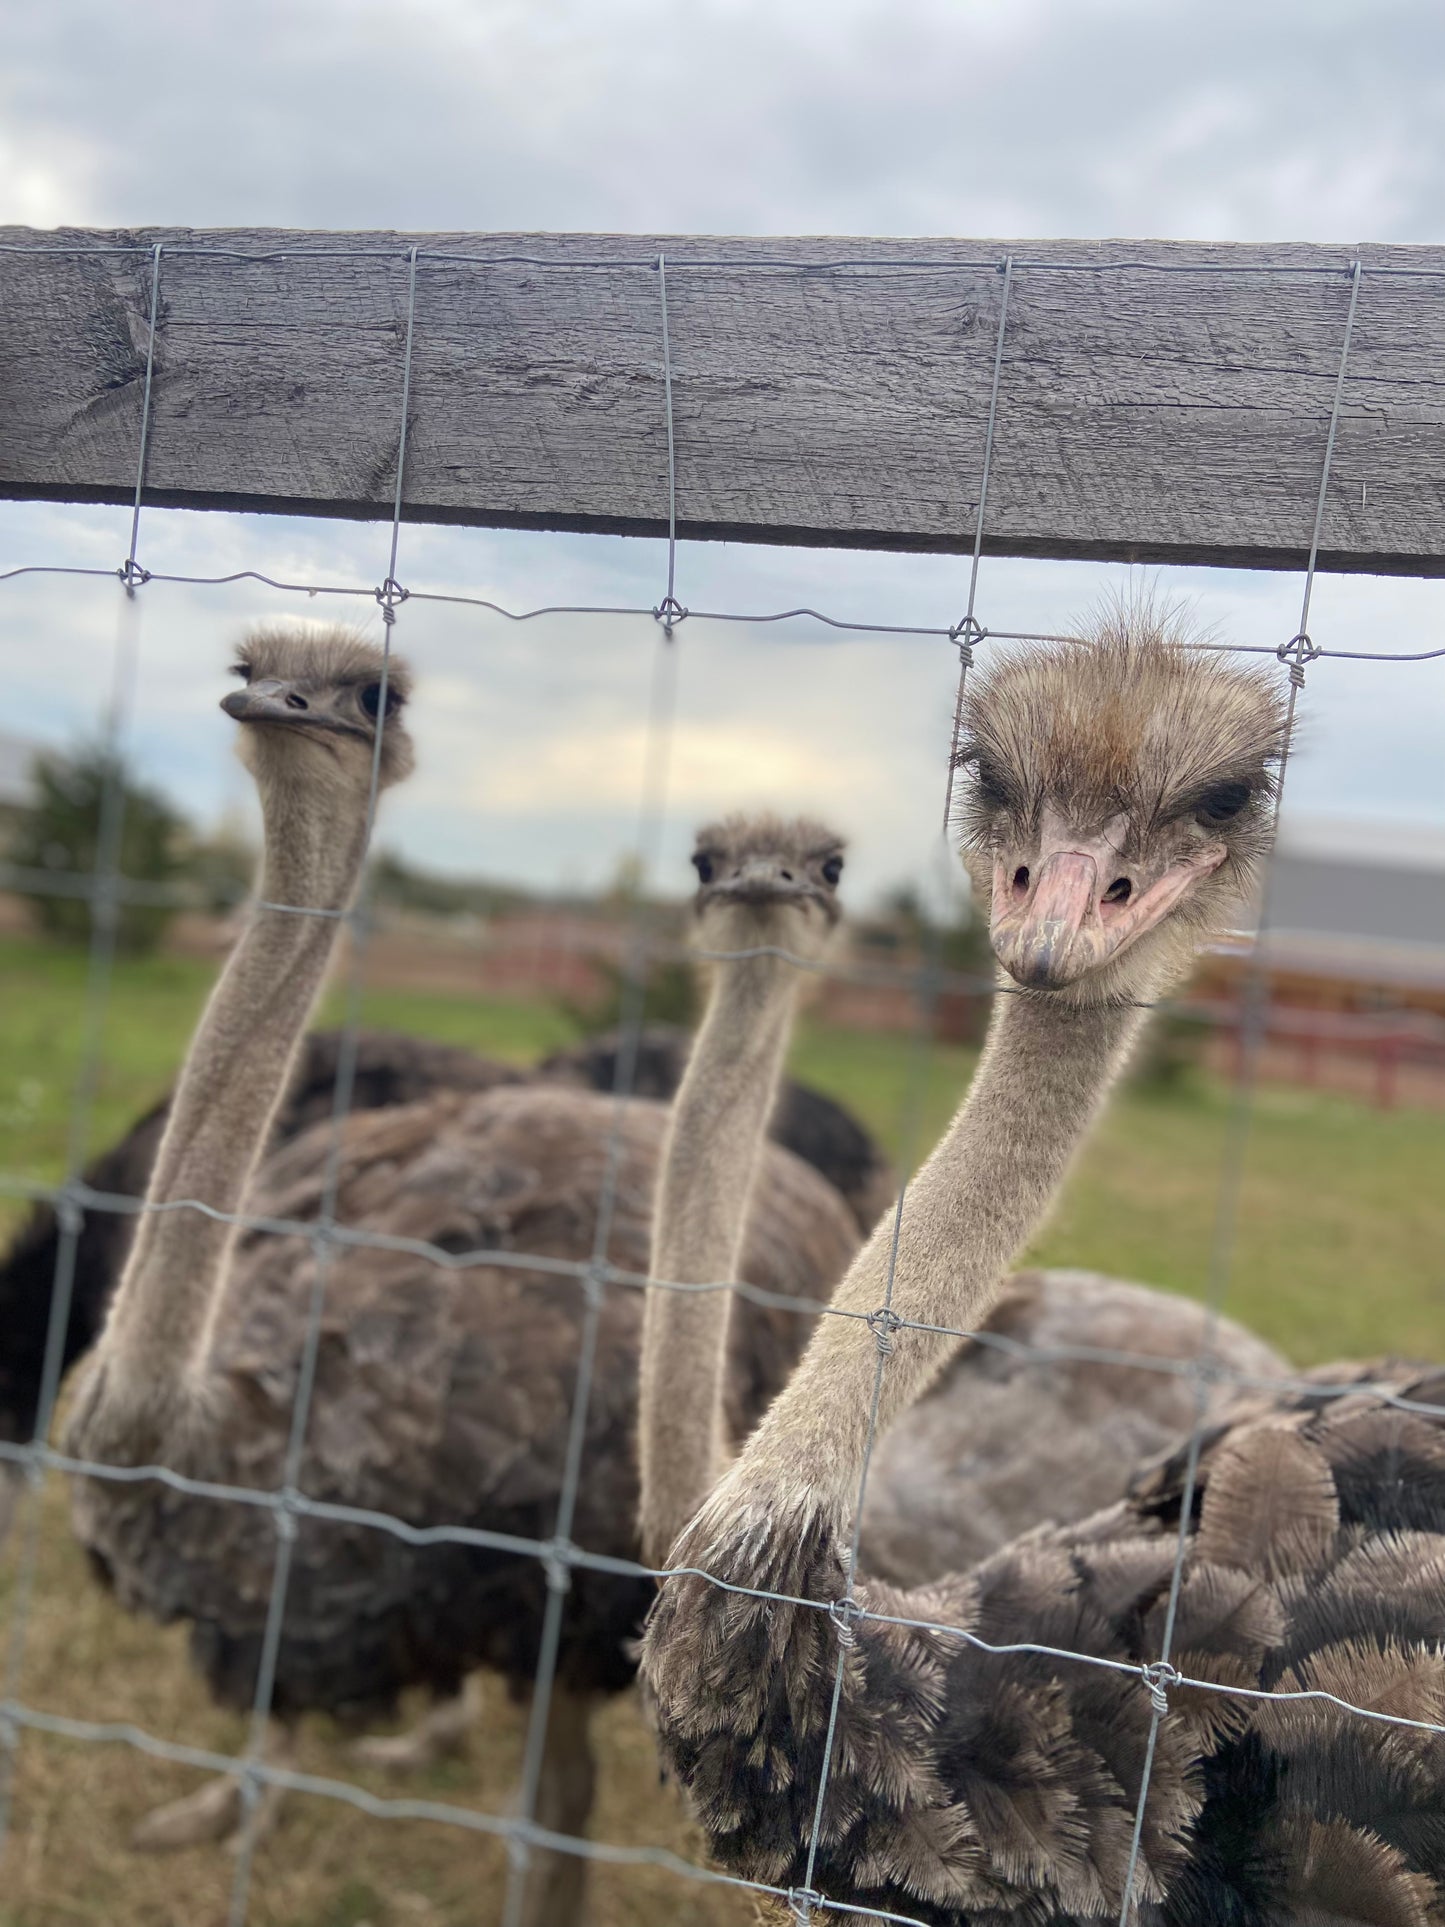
1117	802
767	880
313	701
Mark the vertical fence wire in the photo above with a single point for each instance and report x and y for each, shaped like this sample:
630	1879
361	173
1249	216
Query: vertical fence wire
323	1242
652	817
1253	1023
967	632
559	1555
105	915
884	1323
884	1319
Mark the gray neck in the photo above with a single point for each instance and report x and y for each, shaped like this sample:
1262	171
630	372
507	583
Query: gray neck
1041	1082
156	1343
714	1142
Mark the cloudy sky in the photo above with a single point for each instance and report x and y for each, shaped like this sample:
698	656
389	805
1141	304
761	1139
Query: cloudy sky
979	118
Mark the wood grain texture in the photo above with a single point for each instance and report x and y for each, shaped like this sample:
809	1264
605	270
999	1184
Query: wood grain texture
1158	401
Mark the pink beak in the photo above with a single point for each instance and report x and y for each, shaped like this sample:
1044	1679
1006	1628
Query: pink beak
1055	928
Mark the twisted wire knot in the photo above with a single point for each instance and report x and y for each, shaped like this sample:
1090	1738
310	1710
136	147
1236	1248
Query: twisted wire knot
1297	652
883	1323
966	634
845	1614
391	595
285	1515
1159	1676
69	1214
556	1559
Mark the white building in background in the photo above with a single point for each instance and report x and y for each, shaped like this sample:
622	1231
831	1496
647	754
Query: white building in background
1361	903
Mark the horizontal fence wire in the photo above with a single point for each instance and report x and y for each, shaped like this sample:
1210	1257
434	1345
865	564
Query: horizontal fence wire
757	262
73	1198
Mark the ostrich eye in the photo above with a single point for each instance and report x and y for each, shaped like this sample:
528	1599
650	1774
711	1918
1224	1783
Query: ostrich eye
703	864
832	869
992	784
370	700
1221	804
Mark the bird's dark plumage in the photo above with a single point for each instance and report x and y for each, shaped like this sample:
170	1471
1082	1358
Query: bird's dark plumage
390	1068
443	1397
971	1787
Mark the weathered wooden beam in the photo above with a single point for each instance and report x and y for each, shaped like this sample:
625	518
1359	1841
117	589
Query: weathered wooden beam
1157	402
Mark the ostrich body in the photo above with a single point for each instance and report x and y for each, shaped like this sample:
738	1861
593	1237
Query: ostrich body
388	1068
440	1395
1117	793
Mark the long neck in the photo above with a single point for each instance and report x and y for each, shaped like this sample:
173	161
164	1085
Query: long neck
1043	1077
155	1345
715	1137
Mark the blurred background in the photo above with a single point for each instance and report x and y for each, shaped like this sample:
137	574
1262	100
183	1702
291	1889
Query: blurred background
510	870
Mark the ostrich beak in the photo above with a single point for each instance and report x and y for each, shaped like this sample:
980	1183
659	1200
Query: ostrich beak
762	880
1051	926
269	700
272	699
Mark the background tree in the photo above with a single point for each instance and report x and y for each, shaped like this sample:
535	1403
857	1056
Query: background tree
60	832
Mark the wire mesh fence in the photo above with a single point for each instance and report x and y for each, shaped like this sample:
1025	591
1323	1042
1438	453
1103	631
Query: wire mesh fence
330	1239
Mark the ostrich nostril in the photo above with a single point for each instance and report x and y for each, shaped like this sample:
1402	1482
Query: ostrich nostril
1119	891
1021	879
293	701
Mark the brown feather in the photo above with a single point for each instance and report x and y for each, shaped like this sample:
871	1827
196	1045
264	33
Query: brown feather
1270	1504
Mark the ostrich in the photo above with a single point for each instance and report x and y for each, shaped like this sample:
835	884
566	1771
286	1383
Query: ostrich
440	1396
764	888
1118	791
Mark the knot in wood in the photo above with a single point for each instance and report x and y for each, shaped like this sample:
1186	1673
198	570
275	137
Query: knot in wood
883	1323
1159	1676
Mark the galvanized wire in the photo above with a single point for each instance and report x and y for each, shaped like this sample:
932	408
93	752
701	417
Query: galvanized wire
1296	652
288	1505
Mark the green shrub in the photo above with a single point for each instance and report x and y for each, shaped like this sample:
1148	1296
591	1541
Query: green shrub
60	832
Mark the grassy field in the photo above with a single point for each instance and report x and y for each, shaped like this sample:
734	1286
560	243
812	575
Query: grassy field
1338	1250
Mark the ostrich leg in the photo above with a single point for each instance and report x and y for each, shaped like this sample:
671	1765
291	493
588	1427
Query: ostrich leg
556	1883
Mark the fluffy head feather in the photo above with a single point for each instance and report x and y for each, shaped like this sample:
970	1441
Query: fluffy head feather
1139	741
323	685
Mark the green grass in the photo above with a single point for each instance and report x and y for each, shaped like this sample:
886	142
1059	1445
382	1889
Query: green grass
1339	1246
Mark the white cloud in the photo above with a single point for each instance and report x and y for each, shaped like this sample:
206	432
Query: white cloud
1043	117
